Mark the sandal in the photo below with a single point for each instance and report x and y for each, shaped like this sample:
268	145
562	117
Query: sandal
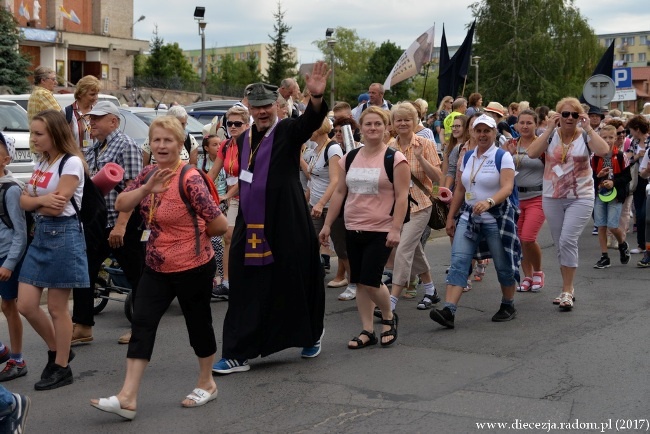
468	287
479	271
558	299
538	281
409	293
525	285
392	331
372	340
566	301
200	397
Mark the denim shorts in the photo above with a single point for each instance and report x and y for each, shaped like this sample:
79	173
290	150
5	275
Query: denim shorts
57	256
607	213
9	288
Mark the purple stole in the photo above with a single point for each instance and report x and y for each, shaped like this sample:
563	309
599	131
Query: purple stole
252	197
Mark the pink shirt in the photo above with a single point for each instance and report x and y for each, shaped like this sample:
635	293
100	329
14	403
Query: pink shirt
370	193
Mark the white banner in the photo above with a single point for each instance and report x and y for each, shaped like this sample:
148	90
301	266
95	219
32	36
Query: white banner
411	61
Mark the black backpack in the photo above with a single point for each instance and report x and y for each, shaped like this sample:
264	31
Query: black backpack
327	149
92	213
6	218
388	167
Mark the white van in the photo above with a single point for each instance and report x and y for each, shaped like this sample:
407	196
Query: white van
13	123
64	99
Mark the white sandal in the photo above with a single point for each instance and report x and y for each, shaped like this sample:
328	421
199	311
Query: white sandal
200	397
566	301
558	299
112	405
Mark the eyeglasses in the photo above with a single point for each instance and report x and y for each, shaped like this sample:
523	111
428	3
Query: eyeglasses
620	133
455	127
234	123
574	115
337	130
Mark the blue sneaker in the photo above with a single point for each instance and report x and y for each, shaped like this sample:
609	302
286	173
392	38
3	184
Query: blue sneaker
228	366
311	352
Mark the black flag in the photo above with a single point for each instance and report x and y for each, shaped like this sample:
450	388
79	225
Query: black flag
454	72
605	66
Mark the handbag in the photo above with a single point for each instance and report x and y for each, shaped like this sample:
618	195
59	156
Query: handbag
439	210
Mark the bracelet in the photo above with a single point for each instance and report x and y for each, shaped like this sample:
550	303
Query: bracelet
590	131
490	201
320	95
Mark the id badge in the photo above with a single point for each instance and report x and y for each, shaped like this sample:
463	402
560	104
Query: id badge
246	176
86	143
469	195
145	235
558	170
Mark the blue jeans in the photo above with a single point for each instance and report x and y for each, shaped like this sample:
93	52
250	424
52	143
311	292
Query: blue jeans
463	250
7	402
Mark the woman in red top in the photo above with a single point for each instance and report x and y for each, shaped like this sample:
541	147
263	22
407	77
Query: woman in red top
237	121
175	265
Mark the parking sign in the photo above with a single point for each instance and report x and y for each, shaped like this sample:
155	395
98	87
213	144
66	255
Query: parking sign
622	77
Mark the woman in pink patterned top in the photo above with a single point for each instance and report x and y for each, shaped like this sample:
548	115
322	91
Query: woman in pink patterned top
568	185
177	264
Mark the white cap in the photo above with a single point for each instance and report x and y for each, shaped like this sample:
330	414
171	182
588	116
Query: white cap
485	119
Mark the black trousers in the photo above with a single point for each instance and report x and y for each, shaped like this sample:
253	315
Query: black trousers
157	291
130	257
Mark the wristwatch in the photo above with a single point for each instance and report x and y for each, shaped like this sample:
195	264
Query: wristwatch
490	201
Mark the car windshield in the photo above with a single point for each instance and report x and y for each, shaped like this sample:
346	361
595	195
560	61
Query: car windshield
12	118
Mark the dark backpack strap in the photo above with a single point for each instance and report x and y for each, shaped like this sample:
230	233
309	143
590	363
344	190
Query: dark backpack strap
4	215
350	158
326	151
389	161
188	205
188	144
64	159
466	157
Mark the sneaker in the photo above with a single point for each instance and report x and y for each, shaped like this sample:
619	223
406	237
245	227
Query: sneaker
125	338
58	377
228	366
15	421
603	262
428	301
645	262
624	251
506	312
388	280
637	250
4	355
81	334
13	370
311	352
595	231
350	293
443	317
221	292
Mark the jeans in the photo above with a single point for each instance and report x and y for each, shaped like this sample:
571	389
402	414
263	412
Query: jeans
7	402
463	249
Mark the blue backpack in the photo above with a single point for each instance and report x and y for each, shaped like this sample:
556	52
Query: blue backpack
514	196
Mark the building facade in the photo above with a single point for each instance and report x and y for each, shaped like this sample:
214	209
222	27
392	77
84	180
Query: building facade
79	37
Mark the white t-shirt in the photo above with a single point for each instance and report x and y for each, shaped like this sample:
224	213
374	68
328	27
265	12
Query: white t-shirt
644	161
486	179
320	175
46	180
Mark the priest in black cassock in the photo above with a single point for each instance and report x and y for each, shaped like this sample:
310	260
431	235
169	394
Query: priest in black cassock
277	295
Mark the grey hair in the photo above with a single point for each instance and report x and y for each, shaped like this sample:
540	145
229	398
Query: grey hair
177	111
41	73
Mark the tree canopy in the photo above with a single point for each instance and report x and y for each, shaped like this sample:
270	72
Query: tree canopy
14	66
534	50
281	62
166	66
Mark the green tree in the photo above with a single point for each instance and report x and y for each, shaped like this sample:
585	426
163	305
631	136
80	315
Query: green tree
281	61
351	57
14	66
166	66
380	64
535	50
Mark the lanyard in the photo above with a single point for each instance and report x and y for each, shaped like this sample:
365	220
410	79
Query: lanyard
250	142
314	160
34	181
567	147
472	174
155	199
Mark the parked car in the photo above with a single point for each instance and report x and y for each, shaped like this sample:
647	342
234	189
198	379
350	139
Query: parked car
147	115
64	99
13	123
206	116
218	104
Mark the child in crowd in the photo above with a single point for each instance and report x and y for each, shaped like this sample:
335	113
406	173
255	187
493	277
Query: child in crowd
611	180
13	243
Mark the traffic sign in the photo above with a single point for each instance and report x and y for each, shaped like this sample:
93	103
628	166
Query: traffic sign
622	77
625	95
599	90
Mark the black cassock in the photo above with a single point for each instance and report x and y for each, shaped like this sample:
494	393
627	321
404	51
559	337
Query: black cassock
281	305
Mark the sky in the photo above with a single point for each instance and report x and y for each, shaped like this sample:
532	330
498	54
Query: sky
241	22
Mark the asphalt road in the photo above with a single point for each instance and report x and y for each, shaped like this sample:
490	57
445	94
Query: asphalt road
589	366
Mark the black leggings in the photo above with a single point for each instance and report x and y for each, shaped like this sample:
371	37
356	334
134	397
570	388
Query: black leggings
155	293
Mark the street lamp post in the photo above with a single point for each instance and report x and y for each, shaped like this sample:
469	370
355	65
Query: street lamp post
142	17
199	14
475	59
330	43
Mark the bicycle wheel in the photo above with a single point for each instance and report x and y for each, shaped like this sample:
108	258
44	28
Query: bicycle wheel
128	306
101	289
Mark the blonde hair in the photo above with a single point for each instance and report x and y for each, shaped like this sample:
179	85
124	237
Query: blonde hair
171	124
405	109
87	84
60	133
325	127
571	101
383	114
238	111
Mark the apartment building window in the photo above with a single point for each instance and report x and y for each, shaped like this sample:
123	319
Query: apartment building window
608	42
629	57
643	40
629	40
642	57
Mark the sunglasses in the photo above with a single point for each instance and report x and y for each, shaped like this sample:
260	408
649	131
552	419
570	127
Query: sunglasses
620	133
234	123
574	115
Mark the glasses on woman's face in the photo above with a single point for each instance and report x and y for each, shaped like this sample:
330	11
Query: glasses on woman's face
574	115
234	123
455	127
620	133
337	131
